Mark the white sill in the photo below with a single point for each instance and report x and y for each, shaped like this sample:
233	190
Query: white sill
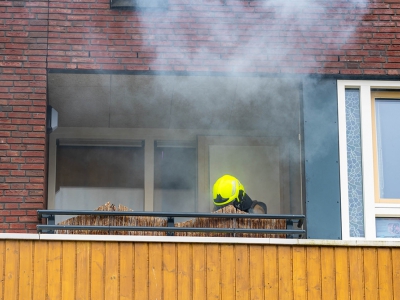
206	240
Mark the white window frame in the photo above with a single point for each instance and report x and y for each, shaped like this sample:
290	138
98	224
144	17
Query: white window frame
372	210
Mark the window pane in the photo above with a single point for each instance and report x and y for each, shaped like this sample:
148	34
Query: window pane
387	227
175	179
388	141
89	176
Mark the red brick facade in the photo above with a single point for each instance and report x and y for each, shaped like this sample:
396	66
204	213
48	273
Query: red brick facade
339	37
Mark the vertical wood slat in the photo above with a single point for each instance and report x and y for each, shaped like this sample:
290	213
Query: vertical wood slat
285	273
11	270
199	269
256	272
212	271
313	273
228	272
155	271
271	281
83	271
242	272
299	273
169	281
185	274
2	267
25	269
396	272
328	276
385	272
111	283
40	276
371	273
342	273
68	288
127	268
97	270
356	277
141	282
54	270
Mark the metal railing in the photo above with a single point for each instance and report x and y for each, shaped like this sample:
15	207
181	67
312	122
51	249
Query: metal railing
290	230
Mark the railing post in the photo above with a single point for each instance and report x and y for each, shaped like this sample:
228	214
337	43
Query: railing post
170	223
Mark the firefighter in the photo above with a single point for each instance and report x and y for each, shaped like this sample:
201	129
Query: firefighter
228	190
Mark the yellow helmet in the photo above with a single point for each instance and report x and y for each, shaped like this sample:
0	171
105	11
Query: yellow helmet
227	189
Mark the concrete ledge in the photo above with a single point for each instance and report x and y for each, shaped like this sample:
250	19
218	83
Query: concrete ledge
208	240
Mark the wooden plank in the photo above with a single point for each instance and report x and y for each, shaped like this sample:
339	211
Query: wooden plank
271	281
111	282
285	272
141	278
40	270
155	271
313	273
328	276
396	273
228	276
169	273
242	271
83	283
213	268
2	267
342	273
299	273
256	265
11	270
385	273
371	273
25	269
68	275
199	270
97	270
54	269
185	267
356	262
126	259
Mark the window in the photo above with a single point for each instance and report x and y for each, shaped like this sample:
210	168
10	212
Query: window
369	142
171	137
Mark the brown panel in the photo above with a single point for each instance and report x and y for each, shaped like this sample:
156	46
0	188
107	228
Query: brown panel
97	270
111	282
213	271
185	274
299	273
328	277
25	269
371	273
385	273
68	276
11	270
54	270
356	263
40	276
285	272
83	282
228	276
155	271
199	269
256	261
313	273
271	271
141	286
342	273
127	268
169	279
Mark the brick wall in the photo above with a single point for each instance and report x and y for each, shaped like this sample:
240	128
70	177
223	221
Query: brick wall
327	37
23	43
